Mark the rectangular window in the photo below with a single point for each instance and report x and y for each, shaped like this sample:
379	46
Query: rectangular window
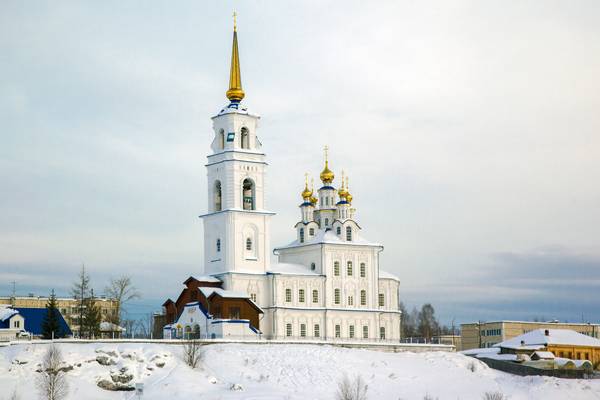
363	270
336	296
288	295
382	333
301	235
288	330
337	331
234	312
253	297
311	231
317	330
351	331
363	297
381	300
365	332
350	300
336	268
303	330
349	269
315	296
230	136
301	295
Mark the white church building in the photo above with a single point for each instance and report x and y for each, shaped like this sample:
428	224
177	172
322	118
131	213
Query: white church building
327	284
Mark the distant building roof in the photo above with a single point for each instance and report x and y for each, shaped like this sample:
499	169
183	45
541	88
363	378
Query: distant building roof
387	275
538	338
34	318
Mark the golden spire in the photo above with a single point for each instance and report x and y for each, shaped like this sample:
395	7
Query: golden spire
235	92
306	193
348	195
326	175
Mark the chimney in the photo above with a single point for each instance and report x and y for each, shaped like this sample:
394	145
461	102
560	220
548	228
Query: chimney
547	332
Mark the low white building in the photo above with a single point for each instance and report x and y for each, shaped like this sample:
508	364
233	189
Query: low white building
11	323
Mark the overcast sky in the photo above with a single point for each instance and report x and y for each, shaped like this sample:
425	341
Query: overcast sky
470	131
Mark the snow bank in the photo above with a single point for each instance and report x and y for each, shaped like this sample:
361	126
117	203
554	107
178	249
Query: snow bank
276	371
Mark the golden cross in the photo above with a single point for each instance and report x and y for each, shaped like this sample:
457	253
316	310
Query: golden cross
234	21
306	178
326	148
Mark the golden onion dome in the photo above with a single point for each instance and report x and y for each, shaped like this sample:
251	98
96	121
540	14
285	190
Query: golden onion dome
314	200
327	175
348	195
306	193
342	192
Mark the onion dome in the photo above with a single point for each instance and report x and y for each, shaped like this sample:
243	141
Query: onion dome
342	192
327	175
306	193
348	195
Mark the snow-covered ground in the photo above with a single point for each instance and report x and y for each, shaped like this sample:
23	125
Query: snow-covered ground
277	371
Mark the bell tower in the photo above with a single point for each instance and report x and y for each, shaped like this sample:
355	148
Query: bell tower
236	227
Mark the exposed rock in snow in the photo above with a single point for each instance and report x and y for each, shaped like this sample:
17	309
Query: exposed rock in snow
103	359
236	387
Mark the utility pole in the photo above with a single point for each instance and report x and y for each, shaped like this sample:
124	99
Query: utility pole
14	293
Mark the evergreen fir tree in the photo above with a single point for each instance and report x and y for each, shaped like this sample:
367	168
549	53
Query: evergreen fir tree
51	323
91	317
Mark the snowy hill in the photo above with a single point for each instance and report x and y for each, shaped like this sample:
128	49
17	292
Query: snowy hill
275	371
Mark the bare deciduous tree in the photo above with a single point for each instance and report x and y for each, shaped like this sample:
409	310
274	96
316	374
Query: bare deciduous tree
192	353
51	382
122	290
493	396
355	389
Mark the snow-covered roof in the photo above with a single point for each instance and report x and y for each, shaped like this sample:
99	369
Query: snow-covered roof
544	355
387	275
501	357
290	269
326	236
6	313
230	294
538	338
110	327
205	278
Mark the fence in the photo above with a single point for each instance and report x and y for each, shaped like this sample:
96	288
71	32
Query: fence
524	370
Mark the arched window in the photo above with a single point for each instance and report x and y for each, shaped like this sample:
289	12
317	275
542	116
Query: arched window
338	331
311	231
349	268
221	139
381	300
303	330
315	296
301	295
348	234
339	230
351	331
363	270
317	330
382	333
350	300
336	296
365	331
218	245
218	198
301	235
245	138
249	244
363	297
313	266
288	329
336	268
248	194
288	295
